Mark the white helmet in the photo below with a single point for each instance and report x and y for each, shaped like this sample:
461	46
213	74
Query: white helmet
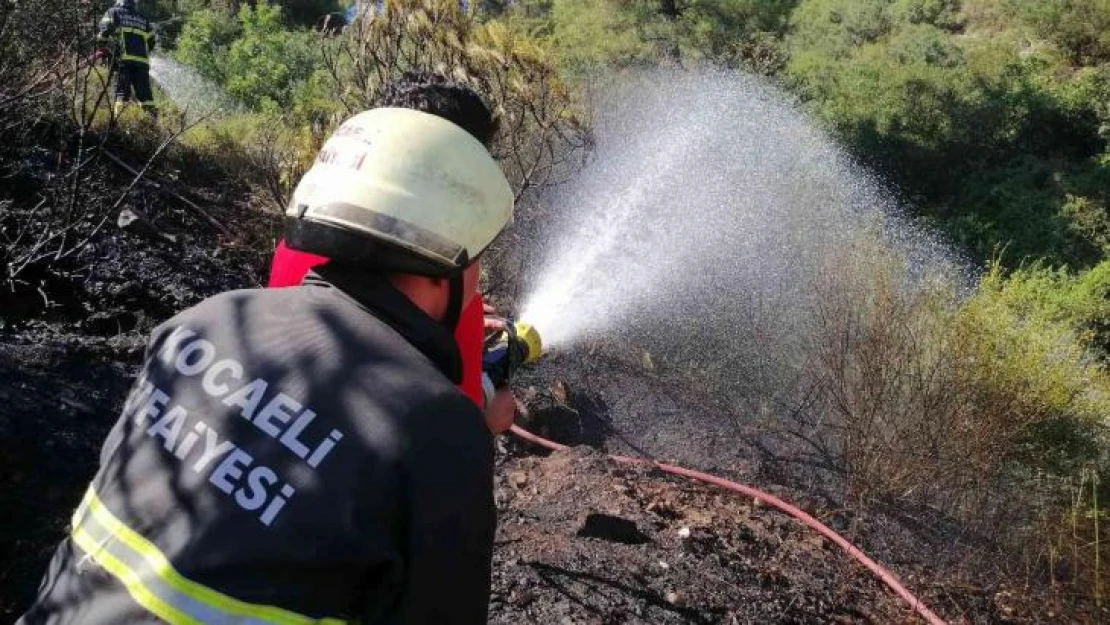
400	190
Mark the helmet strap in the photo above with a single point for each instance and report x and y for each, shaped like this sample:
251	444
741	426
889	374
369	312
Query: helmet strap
454	300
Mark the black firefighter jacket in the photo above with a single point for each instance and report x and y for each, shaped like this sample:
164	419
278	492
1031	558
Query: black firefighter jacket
287	456
129	33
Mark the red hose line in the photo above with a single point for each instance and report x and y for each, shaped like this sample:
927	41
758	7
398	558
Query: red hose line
886	576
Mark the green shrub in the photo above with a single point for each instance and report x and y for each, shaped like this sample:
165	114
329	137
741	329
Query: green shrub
255	57
591	34
265	65
1080	28
254	152
733	33
1026	343
1080	301
833	28
919	396
995	143
204	42
939	13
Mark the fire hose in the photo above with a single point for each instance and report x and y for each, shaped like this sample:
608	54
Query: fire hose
884	575
519	343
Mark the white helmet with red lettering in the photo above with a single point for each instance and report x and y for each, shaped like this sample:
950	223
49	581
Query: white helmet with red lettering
400	190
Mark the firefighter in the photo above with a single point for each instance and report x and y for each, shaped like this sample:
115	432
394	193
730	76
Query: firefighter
303	455
128	38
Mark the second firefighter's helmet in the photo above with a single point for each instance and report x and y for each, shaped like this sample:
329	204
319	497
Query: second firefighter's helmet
400	190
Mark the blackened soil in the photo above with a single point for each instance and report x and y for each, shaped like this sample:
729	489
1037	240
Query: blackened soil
72	334
580	540
583	540
58	399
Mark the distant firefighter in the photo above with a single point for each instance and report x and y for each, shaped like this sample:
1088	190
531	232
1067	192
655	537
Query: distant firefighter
128	38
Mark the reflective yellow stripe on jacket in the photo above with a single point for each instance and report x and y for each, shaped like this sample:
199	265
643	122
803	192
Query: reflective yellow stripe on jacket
124	56
152	581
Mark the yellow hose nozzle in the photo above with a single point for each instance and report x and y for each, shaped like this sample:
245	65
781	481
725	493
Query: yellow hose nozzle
530	337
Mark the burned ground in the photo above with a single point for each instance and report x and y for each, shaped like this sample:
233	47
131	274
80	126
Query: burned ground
72	335
580	540
583	540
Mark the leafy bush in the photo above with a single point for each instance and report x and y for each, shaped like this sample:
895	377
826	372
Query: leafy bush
598	33
1080	301
1034	208
833	28
921	399
266	64
733	33
204	43
940	13
1025	341
993	142
592	35
253	151
1081	28
254	57
540	130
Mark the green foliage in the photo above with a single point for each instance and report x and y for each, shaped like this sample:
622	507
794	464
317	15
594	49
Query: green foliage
204	43
596	34
833	28
992	116
267	63
1035	208
992	141
314	102
1081	28
1026	343
939	13
590	34
255	57
1042	296
733	33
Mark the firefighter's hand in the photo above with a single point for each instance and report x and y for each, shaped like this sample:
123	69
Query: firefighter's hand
493	323
502	411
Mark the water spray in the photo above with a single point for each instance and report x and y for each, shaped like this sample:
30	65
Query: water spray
710	228
196	96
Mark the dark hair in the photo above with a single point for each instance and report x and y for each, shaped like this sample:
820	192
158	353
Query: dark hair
434	94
